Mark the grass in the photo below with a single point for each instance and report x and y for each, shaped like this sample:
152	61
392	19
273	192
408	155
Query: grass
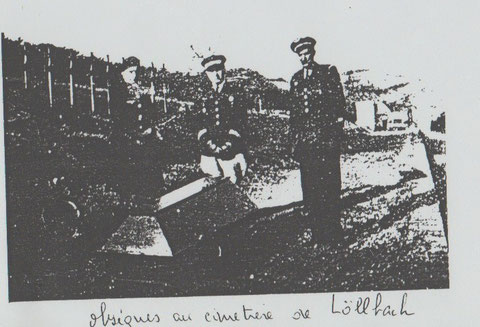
262	254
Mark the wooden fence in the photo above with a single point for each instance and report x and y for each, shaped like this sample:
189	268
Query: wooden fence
63	78
63	74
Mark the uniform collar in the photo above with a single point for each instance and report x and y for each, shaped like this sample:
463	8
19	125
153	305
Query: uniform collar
219	88
308	71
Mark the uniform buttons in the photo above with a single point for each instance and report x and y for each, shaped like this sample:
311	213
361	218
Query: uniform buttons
216	101
306	103
306	110
217	116
305	90
204	110
305	96
216	109
217	123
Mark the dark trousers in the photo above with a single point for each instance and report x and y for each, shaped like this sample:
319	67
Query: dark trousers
140	169
321	186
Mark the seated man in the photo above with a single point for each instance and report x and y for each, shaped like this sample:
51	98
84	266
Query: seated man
222	124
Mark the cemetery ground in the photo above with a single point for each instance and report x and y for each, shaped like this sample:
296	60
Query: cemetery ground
393	216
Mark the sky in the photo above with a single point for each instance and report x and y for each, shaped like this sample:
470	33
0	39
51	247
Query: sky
417	39
436	41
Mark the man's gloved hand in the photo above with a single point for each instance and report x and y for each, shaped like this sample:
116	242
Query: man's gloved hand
212	147
223	148
227	146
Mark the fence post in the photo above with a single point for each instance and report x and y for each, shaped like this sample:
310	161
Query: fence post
92	85
165	90
49	77
108	84
25	62
152	86
71	85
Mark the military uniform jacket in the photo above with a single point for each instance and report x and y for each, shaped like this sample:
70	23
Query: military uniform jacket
221	119
133	112
317	103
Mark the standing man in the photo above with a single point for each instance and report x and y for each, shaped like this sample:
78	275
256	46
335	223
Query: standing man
221	125
316	128
135	137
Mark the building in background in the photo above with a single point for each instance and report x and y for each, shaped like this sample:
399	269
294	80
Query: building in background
377	116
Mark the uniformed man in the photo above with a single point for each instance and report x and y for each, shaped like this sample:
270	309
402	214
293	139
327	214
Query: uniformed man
222	125
132	103
316	128
135	135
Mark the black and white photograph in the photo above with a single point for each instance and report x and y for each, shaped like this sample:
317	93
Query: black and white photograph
239	163
156	150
